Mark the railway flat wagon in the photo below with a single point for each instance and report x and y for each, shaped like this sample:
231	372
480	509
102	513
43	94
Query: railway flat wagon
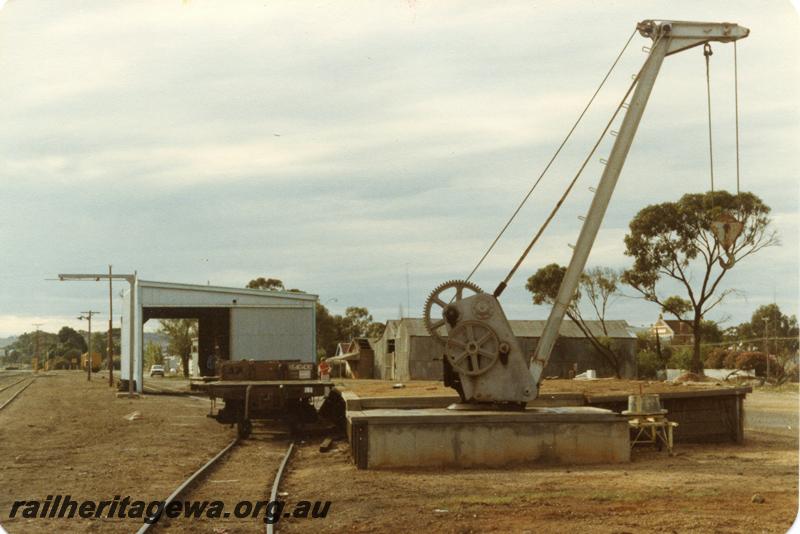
284	391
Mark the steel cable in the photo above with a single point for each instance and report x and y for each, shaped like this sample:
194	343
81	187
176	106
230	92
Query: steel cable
708	53
736	107
547	221
552	159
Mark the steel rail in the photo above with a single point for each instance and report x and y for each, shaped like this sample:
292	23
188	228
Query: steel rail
273	495
12	374
188	482
2	389
15	395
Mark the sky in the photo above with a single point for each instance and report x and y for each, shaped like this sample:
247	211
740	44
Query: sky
364	151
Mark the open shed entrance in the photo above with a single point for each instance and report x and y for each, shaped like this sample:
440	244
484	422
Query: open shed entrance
213	331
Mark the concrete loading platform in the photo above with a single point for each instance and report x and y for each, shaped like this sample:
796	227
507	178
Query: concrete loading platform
438	437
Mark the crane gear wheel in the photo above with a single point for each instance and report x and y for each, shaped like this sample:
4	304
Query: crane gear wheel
434	325
472	348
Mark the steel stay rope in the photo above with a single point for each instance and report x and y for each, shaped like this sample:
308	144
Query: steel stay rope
552	159
501	287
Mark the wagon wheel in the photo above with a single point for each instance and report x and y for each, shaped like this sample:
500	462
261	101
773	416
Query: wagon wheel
244	427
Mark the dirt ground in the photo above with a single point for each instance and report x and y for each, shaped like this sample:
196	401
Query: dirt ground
702	488
64	435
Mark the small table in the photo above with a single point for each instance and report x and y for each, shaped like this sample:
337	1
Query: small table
653	427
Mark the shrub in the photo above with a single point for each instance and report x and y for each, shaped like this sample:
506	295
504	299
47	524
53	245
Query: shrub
729	362
757	362
59	363
647	363
681	358
793	373
716	358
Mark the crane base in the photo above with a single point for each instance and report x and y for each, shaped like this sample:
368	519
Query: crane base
438	437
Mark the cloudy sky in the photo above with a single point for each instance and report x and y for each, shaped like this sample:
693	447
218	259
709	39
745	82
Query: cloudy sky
340	145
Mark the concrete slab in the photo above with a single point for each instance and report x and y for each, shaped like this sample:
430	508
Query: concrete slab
354	402
437	437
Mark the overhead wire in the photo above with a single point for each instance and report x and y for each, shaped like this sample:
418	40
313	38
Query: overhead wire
736	107
552	159
708	53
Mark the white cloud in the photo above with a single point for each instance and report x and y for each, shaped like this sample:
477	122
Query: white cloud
14	325
329	144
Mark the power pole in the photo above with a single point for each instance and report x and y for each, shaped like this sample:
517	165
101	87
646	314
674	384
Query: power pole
38	363
131	279
88	316
110	331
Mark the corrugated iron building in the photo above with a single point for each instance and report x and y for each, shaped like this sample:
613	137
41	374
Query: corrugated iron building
234	323
406	351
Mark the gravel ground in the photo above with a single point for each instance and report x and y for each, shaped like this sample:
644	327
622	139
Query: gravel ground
64	435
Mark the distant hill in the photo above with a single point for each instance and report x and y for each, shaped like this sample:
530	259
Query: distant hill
6	341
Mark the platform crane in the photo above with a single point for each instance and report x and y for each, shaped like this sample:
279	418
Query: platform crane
483	360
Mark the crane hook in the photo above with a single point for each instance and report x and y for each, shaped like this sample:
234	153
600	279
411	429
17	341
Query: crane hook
730	262
727	230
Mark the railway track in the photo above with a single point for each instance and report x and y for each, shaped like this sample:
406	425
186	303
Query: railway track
184	486
14	393
6	376
240	471
273	495
7	386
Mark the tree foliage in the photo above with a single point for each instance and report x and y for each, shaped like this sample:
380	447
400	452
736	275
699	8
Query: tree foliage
600	285
153	354
269	284
768	321
51	345
179	334
69	337
675	241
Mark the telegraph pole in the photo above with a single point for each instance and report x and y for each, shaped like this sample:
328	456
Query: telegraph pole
131	279
38	363
110	331
88	315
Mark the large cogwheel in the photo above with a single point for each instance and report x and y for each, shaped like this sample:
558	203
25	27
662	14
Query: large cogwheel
435	321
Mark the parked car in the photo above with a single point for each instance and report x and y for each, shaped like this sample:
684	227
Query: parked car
156	370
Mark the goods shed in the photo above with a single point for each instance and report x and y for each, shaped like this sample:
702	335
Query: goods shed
233	323
406	351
